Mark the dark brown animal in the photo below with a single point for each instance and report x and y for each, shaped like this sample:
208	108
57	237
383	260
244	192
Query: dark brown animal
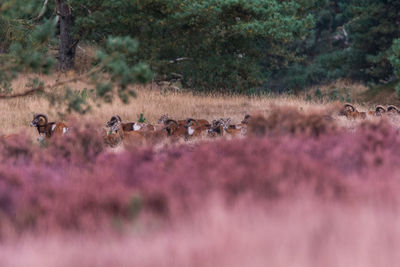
193	128
351	112
48	129
174	129
201	124
116	122
379	111
218	127
246	119
232	129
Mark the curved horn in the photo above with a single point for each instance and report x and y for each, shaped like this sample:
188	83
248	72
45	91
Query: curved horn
163	118
220	121
43	116
392	107
171	121
347	105
380	109
118	118
111	121
246	119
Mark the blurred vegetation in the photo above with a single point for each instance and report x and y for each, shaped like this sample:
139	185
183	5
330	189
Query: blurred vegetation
351	39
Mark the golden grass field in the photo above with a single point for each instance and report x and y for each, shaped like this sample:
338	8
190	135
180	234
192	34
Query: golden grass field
153	102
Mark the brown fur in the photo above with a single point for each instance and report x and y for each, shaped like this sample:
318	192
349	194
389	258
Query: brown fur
351	112
198	123
233	130
145	127
379	111
174	129
48	129
113	139
196	127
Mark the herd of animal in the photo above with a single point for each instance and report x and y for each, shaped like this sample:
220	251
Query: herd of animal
351	112
119	131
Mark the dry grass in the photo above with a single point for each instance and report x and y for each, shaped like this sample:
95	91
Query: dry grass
153	102
341	89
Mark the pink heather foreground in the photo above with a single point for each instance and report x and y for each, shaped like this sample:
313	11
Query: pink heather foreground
303	233
306	194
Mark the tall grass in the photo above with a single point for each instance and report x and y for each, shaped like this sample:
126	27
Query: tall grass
152	102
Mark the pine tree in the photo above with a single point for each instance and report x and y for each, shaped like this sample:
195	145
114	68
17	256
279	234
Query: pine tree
27	34
223	45
374	26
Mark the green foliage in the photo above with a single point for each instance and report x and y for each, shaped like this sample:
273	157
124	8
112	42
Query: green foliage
373	29
223	45
118	60
77	101
24	43
22	9
395	61
26	50
141	118
351	39
318	93
395	57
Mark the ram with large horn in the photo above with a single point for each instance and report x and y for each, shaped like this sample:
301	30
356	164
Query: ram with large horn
47	129
378	112
116	122
351	112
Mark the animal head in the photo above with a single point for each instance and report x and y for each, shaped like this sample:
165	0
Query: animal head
39	120
191	122
246	119
379	110
224	123
393	109
216	130
347	109
163	119
217	127
114	123
114	120
171	126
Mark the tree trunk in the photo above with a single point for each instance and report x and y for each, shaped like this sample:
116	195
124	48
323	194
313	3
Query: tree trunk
66	54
